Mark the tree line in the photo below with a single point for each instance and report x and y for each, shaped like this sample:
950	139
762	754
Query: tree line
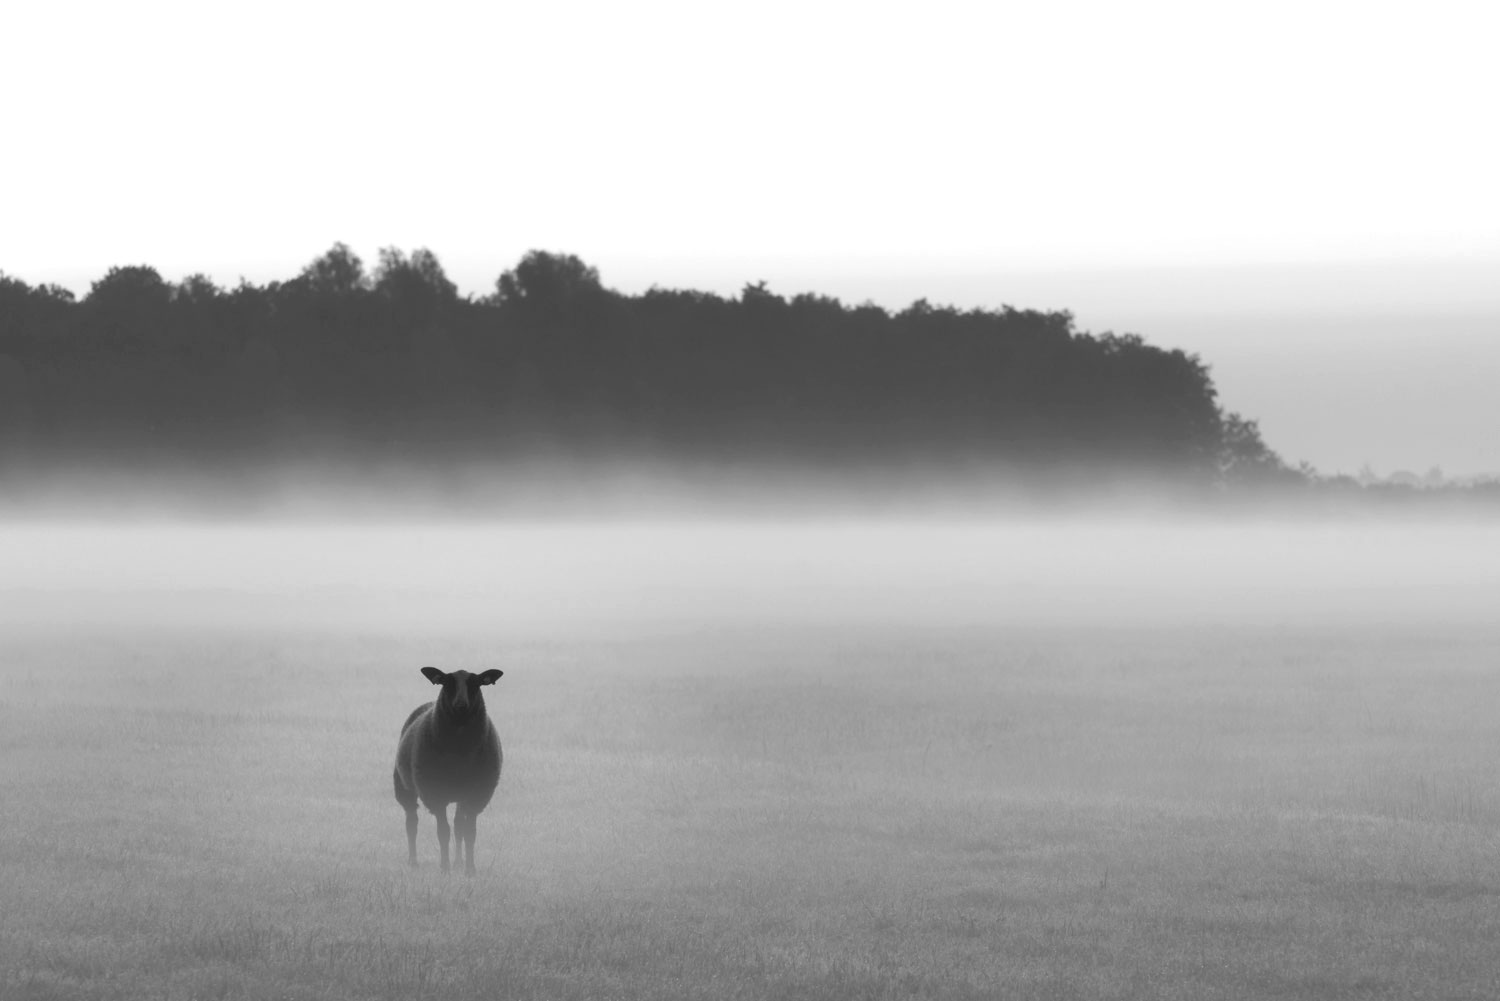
391	364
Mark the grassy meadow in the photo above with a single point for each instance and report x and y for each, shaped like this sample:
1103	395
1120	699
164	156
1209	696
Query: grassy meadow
195	792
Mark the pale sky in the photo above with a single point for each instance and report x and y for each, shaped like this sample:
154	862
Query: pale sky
1302	192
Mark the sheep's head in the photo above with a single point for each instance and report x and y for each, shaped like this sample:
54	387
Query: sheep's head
461	695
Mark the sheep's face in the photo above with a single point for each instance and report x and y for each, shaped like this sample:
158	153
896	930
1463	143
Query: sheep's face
461	696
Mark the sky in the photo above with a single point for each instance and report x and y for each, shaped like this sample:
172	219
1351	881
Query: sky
1303	193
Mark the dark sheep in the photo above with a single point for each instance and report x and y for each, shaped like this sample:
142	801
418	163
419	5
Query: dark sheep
449	752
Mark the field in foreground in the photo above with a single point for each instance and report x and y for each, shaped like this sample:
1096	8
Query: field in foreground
743	809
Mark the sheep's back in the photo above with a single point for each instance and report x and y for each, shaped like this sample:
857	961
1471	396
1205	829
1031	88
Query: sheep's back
406	745
415	715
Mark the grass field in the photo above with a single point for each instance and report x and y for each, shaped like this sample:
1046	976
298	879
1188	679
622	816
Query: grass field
748	805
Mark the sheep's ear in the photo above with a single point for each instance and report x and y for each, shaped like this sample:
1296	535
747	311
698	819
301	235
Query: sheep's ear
490	677
434	675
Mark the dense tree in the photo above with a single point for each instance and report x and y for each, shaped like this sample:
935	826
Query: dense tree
27	312
338	272
128	309
418	277
396	366
127	289
415	289
550	285
196	290
1244	459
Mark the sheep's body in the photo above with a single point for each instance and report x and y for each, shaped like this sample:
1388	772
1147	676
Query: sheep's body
449	752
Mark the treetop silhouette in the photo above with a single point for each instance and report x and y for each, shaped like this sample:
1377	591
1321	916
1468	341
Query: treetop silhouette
394	365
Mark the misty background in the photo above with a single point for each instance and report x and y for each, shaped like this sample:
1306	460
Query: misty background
598	579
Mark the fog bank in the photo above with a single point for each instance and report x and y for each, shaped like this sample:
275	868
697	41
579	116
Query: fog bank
549	578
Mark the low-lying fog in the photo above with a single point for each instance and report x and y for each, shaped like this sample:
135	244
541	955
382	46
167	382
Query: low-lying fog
524	577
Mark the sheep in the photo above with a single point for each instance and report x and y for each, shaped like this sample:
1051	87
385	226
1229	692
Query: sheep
449	752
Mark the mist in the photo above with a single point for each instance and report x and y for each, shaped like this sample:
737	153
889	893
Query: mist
591	576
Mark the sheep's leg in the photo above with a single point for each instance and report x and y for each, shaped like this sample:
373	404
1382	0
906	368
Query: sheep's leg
464	822
460	832
473	831
442	825
411	836
406	795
